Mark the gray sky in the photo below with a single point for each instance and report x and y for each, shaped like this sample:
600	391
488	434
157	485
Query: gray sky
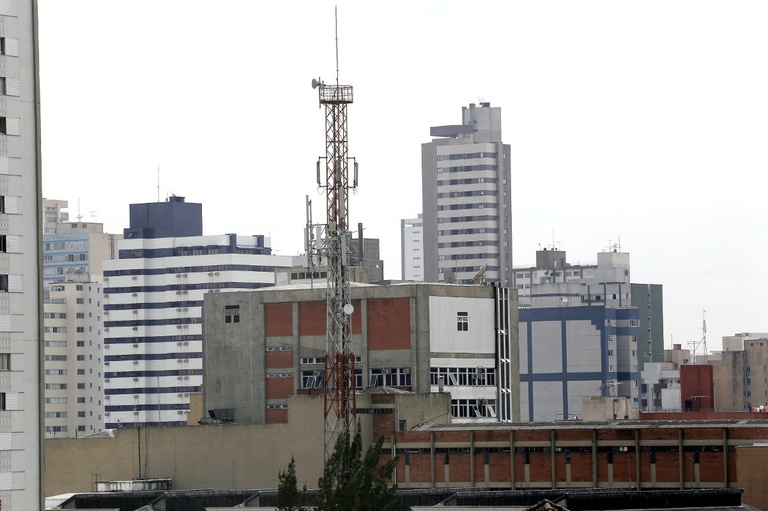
643	122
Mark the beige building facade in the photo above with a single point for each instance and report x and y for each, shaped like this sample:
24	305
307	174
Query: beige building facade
741	377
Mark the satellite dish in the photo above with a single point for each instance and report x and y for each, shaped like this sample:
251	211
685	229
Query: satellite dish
315	82
449	277
349	309
480	273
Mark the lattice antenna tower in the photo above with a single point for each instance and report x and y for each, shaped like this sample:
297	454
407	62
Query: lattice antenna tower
334	248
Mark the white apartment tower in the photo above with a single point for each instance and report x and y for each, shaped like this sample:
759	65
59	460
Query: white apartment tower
412	248
153	296
466	200
21	227
73	357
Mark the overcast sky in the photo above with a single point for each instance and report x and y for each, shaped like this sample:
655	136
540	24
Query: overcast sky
644	122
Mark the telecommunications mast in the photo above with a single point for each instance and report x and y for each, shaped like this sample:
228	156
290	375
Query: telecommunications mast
339	379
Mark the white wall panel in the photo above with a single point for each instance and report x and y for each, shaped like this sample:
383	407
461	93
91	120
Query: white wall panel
444	335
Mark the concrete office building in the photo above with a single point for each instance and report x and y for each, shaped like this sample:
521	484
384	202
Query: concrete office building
741	377
572	344
262	347
73	360
21	228
412	248
466	199
153	295
612	269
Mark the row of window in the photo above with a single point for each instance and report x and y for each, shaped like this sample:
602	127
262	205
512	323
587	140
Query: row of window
466	156
469	193
469	181
478	205
463	376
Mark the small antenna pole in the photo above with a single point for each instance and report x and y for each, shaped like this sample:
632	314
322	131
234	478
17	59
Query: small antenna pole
158	183
336	28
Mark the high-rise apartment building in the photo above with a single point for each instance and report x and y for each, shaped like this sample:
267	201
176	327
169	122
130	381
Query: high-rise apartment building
153	295
466	200
73	360
412	248
21	227
73	253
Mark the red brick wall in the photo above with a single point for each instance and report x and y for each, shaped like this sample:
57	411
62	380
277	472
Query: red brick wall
499	467
697	386
277	417
279	388
667	466
279	359
389	324
278	319
581	467
312	318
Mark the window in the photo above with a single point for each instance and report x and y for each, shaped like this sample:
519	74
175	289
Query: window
2	401
5	361
232	314
4	283
462	321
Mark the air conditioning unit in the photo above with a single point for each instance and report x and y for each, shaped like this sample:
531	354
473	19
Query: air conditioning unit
186	343
385	371
134	294
135	345
135	379
407	370
135	362
135	328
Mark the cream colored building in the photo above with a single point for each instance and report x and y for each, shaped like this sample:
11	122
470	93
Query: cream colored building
741	377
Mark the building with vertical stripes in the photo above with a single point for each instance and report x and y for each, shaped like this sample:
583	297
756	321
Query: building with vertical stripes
153	296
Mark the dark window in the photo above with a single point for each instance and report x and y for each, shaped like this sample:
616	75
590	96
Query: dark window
462	321
232	314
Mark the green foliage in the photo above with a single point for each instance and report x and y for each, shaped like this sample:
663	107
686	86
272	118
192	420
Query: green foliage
353	482
289	497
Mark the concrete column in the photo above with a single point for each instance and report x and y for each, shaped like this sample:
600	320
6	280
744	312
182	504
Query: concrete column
447	468
486	468
610	474
725	458
653	469
407	469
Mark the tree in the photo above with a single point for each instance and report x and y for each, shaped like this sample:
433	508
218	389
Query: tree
289	497
353	482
